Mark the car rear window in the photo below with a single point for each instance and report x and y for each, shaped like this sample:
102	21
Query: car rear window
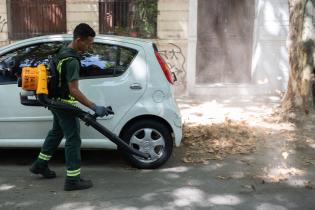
105	60
11	63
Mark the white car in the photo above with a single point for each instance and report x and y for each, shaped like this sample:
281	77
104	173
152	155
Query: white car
126	73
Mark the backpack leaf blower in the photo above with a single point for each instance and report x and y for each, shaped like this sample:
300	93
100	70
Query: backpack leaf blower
34	81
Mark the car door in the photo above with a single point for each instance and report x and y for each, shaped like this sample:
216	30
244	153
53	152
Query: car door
113	74
18	122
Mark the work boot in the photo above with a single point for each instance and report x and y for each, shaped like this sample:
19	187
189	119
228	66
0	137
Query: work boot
80	184
44	171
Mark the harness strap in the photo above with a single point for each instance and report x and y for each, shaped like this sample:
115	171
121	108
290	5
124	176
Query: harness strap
59	68
71	99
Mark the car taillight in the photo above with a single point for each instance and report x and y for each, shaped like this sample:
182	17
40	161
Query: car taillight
164	67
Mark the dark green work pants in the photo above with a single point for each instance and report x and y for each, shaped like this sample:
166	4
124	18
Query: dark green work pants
68	126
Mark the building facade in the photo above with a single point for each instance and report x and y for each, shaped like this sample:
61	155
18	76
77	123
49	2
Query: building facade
229	47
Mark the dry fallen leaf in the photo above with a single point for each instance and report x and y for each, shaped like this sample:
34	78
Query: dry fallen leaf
249	187
224	177
308	185
186	160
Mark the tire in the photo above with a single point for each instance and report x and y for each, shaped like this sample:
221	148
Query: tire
151	137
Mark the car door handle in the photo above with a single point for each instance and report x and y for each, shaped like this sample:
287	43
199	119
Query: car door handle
135	86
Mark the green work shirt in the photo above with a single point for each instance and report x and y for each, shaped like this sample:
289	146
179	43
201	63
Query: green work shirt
72	68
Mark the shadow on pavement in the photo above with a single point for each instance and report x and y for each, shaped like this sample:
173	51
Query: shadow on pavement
25	157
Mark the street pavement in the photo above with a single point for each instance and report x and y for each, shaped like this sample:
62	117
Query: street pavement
230	184
174	186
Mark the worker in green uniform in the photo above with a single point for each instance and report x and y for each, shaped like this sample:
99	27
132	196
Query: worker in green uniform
64	123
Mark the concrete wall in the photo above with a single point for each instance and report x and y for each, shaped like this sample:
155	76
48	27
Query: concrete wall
172	32
79	11
270	54
3	23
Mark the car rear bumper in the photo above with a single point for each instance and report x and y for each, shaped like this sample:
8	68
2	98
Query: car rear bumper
178	132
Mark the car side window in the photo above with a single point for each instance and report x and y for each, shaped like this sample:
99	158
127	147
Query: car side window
105	60
11	63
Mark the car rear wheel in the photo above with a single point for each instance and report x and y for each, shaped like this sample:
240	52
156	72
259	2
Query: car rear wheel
151	137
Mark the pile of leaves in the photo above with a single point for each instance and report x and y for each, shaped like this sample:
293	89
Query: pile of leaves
217	141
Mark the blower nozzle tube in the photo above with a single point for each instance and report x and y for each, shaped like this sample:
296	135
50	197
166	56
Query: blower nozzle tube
90	120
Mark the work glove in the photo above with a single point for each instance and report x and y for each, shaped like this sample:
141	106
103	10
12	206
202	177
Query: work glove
102	111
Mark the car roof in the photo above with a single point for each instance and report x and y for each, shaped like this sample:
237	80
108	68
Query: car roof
68	37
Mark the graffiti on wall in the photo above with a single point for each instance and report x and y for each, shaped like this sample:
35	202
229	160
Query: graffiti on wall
175	59
3	22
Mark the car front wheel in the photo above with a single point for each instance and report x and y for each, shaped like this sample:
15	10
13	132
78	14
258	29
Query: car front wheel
151	137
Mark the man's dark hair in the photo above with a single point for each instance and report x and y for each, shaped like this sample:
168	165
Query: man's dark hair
83	31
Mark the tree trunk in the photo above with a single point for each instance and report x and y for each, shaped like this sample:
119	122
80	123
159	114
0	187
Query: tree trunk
299	96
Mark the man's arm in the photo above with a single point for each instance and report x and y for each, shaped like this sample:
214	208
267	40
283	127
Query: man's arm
73	85
78	95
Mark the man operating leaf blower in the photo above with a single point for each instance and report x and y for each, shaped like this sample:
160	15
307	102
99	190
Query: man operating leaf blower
66	124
